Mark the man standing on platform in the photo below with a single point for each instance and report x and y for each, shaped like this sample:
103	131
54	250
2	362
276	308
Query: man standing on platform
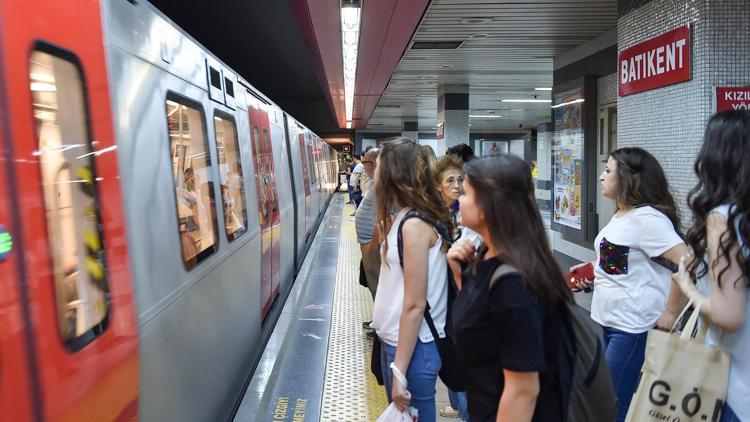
364	223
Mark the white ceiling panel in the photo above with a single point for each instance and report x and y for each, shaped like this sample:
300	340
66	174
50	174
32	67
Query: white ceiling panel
507	50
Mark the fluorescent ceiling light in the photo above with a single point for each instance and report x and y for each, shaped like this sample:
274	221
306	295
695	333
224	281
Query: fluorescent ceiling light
580	100
349	46
527	101
484	116
542	89
43	87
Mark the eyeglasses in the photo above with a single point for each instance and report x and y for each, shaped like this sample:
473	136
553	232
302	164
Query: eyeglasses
452	181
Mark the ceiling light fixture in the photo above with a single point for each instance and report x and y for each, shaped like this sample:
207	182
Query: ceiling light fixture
580	100
484	116
527	101
542	89
350	19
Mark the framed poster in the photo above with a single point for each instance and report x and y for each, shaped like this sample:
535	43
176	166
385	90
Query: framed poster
567	158
494	147
574	107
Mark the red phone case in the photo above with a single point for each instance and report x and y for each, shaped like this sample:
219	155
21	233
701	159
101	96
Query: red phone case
583	273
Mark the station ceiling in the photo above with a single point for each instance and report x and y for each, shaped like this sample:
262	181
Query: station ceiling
262	41
505	50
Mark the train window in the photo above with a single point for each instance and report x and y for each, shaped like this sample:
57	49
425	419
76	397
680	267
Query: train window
215	77
229	87
70	196
230	177
191	168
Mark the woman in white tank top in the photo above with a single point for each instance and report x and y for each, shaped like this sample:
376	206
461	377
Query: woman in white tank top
404	183
721	228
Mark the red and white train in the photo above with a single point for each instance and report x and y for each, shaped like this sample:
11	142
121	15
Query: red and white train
152	207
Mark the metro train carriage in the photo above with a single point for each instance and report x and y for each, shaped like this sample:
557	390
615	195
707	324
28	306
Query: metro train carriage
158	207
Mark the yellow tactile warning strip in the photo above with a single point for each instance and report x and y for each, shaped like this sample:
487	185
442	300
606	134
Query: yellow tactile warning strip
351	392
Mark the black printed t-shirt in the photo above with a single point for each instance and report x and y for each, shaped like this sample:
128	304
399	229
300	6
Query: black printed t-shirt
507	328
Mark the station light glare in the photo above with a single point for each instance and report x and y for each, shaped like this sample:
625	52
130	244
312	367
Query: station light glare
484	116
580	100
542	89
527	101
350	17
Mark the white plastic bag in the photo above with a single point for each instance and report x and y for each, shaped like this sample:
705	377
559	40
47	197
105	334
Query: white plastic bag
391	413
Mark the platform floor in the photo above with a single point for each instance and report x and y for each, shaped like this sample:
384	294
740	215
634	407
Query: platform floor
316	365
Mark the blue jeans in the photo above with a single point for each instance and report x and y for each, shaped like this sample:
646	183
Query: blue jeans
459	402
727	415
625	353
421	376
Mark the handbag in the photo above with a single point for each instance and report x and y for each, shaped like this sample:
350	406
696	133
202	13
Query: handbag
362	275
681	378
449	373
376	366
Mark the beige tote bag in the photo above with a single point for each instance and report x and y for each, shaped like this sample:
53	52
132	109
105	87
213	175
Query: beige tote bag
682	379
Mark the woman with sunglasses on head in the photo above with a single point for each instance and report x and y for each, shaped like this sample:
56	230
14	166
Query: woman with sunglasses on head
404	182
509	331
637	251
721	257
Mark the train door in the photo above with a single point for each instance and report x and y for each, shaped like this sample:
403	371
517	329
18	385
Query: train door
19	396
267	203
275	211
306	182
73	273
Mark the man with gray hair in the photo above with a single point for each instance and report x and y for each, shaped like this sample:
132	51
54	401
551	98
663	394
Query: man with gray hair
364	222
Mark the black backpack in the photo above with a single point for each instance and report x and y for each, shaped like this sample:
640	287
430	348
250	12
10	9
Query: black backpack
449	373
591	392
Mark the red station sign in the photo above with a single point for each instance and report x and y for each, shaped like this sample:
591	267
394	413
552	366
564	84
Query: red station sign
732	99
655	63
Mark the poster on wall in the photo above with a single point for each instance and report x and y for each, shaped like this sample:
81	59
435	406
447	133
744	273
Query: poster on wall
494	147
567	158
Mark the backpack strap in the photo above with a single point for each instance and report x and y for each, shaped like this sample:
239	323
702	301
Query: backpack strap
503	270
437	224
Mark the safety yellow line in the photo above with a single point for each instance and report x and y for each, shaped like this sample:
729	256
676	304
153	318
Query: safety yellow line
351	392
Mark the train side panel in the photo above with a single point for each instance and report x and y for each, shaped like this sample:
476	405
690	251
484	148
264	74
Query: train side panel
286	201
198	313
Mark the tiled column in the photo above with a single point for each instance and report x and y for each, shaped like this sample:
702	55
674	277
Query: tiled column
453	114
669	122
410	129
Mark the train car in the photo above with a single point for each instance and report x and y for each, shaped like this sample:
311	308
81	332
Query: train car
154	206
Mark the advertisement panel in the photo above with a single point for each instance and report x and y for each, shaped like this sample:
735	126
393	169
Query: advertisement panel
567	158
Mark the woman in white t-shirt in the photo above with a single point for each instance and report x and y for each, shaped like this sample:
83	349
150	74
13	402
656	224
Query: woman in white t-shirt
632	278
721	227
404	183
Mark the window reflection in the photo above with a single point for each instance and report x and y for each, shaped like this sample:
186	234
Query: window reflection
71	207
191	167
230	177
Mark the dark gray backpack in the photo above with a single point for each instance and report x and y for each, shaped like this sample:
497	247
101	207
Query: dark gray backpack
591	392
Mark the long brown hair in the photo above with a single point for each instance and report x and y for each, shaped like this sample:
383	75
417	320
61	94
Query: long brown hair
723	170
641	182
505	194
404	180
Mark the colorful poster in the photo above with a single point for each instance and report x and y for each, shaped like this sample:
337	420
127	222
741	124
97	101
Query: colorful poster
567	156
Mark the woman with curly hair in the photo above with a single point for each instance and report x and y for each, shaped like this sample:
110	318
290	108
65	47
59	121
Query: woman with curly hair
404	183
721	257
632	277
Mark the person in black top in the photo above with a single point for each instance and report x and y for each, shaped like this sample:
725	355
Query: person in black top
508	334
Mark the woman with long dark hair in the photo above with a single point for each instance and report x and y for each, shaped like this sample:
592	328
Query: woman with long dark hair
404	183
508	334
632	278
721	258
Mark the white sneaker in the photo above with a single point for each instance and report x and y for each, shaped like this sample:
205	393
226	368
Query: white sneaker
448	412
